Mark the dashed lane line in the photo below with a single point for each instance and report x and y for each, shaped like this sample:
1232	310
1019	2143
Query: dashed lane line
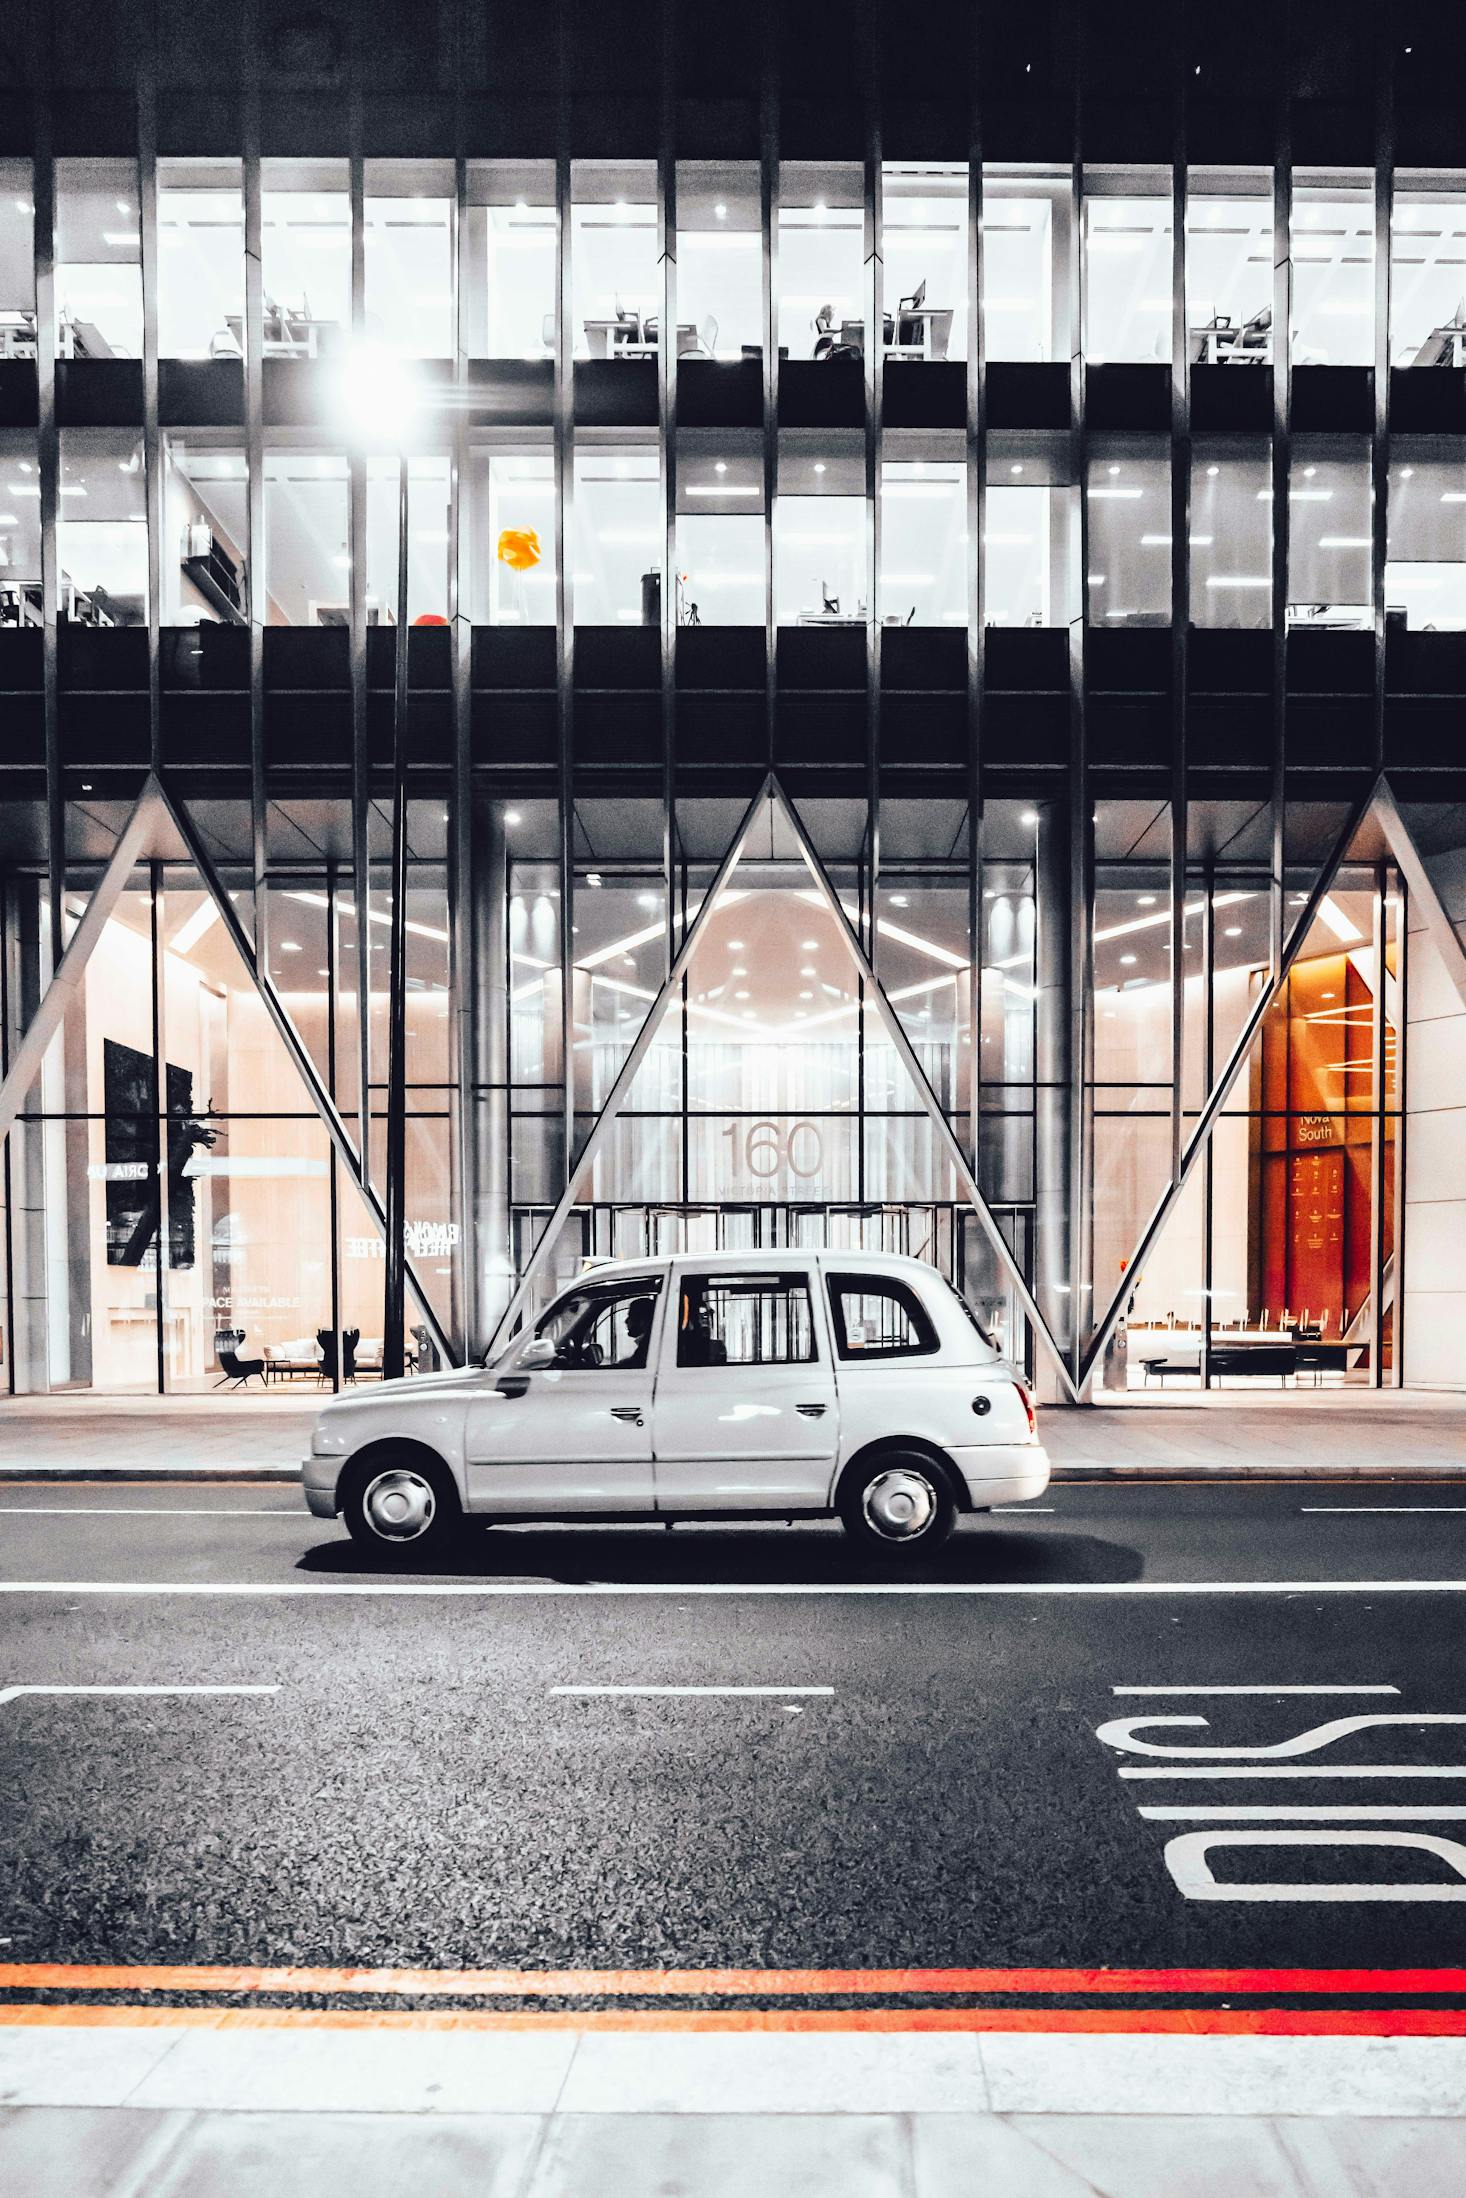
1254	1690
10	1694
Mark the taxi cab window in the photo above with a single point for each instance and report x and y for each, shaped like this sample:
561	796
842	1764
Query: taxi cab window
605	1327
877	1317
745	1320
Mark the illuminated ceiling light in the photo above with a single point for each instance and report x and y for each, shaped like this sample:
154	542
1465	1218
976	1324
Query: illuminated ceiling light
1233	931
190	932
512	816
1015	469
899	900
593	877
738	970
735	946
819	465
809	970
646	900
1128	960
806	995
809	946
1331	914
721	466
1212	472
1029	816
1145	900
721	212
740	995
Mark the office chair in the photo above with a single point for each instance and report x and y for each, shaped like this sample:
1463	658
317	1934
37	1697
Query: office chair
824	331
704	343
547	331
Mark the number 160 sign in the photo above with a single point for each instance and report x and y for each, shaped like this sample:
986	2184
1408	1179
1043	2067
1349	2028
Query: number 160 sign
766	1149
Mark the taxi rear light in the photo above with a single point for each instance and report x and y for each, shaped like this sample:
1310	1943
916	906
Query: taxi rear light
1027	1403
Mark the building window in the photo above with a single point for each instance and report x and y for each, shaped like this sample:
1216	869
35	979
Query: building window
1425	572
305	258
720	260
1129	497
819	271
200	259
101	534
820	531
1231	534
1127	280
99	280
925	258
1229	267
923	542
615	270
1030	535
1428	270
20	528
427	538
17	261
1027	248
1329	508
507	265
720	529
1332	243
307	564
510	494
409	257
618	535
205	532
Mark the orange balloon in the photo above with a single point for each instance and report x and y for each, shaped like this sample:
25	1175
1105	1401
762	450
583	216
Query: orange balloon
429	618
519	549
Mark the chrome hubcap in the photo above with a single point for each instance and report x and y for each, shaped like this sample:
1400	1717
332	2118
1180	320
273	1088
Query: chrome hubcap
900	1505
399	1505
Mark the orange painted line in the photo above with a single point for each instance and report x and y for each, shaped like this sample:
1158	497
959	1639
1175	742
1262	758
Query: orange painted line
733	1983
1272	2022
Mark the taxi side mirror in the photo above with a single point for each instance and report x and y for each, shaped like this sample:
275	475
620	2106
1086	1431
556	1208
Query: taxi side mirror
537	1354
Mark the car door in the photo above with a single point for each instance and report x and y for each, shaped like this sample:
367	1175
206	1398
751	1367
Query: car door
746	1415
574	1435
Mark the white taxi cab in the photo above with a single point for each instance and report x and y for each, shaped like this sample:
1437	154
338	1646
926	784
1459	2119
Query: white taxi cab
743	1385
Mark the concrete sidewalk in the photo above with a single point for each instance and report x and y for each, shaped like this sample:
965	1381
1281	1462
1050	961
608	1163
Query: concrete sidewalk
264	1437
160	2112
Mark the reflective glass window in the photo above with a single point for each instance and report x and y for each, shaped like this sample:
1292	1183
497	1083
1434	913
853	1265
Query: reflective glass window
409	257
305	258
1333	269
1127	281
1231	533
205	531
17	261
820	531
507	266
819	269
720	529
20	528
1027	246
99	281
1425	571
1229	267
616	283
1030	535
923	542
1129	498
720	260
101	533
618	531
1428	270
925	258
1329	508
200	259
307	562
510	514
427	538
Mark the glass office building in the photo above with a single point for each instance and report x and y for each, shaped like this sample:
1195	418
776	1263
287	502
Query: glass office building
842	632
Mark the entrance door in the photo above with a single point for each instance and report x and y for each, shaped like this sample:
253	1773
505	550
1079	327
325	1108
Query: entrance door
575	1435
747	1417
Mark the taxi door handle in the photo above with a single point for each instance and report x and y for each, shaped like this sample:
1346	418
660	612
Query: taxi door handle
810	1411
629	1412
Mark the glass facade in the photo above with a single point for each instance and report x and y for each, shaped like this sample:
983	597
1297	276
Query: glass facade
913	504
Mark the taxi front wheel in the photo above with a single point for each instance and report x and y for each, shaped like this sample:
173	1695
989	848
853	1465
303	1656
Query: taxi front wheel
898	1504
402	1506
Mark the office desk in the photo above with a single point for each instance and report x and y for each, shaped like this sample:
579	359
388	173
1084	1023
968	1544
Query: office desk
17	335
1243	346
620	340
922	332
286	335
1445	346
830	618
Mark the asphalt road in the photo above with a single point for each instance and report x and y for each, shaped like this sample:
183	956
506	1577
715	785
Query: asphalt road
925	1786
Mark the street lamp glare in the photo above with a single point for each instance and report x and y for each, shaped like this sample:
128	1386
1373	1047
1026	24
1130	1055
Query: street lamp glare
379	393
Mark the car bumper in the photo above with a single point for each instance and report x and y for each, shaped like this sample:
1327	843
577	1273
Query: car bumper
1003	1473
318	1480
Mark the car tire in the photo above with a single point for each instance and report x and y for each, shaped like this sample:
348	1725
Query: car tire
897	1504
402	1506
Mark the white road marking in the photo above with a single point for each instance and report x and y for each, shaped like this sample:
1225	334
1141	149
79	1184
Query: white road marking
1298	1770
1330	1811
1370	1510
9	1694
152	1511
692	1690
1254	1690
1020	1510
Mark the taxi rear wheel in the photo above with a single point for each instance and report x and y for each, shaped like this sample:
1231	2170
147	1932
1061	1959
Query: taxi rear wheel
402	1506
898	1504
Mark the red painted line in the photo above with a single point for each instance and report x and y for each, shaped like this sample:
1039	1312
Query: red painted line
1270	2022
732	1983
